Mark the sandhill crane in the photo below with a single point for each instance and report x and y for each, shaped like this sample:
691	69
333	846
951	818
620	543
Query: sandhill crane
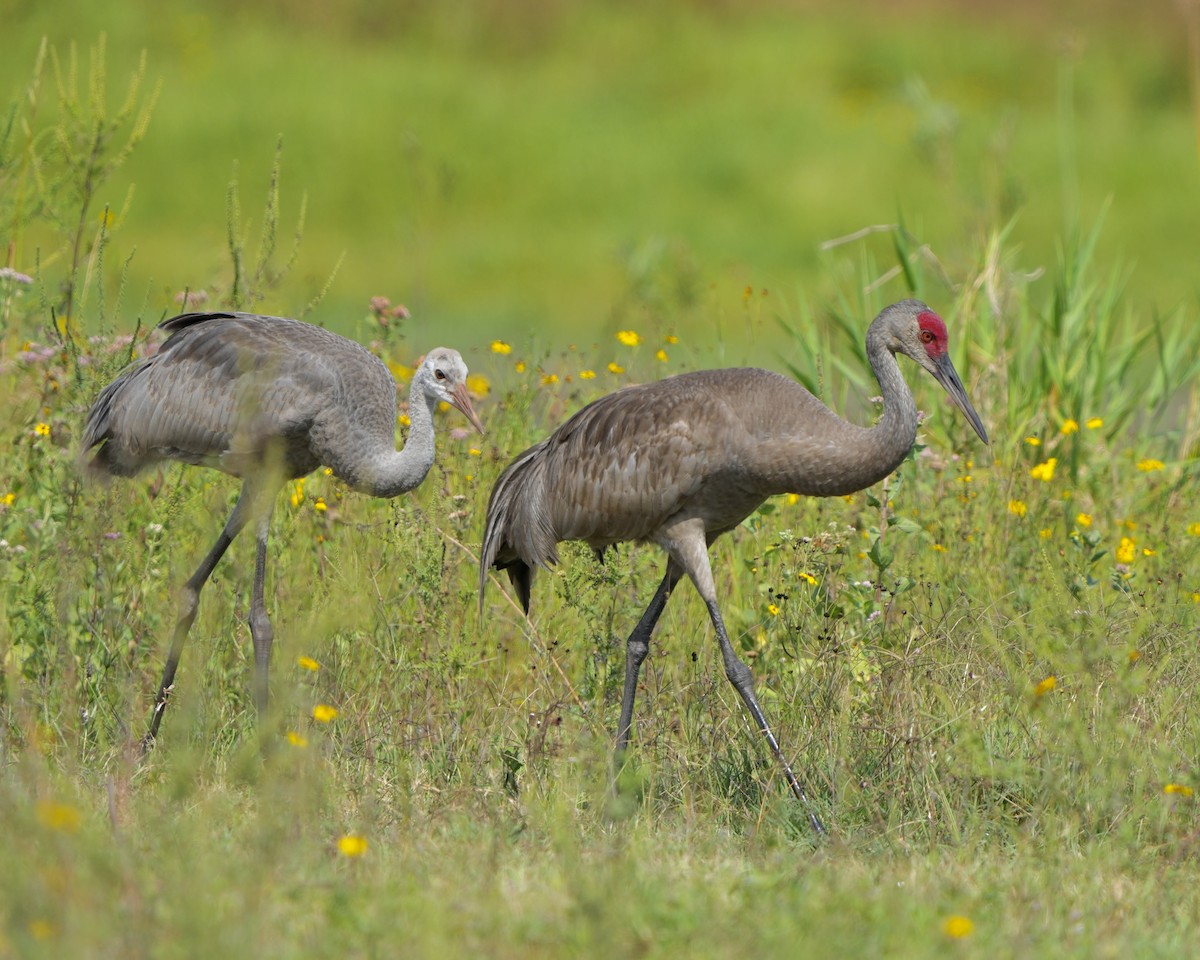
683	460
266	399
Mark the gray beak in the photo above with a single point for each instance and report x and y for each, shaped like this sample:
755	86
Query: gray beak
947	376
459	398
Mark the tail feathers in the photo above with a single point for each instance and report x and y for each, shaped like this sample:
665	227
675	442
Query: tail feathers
517	536
102	450
521	576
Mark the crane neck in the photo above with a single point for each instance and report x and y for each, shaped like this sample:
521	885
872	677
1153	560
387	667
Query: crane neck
397	471
896	431
822	454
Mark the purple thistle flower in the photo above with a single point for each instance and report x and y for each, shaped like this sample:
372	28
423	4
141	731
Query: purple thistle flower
8	273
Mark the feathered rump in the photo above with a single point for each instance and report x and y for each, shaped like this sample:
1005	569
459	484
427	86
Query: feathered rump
518	535
111	459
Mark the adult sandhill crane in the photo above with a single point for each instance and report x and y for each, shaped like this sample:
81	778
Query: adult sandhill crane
683	460
266	399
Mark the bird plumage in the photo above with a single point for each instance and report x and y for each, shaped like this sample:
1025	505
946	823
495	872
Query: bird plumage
683	460
266	399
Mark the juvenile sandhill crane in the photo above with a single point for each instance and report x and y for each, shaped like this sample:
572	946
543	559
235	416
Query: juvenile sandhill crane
266	399
683	460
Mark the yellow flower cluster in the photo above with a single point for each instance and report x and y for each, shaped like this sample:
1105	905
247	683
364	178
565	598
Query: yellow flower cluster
958	927
352	845
323	713
1126	551
629	338
1044	471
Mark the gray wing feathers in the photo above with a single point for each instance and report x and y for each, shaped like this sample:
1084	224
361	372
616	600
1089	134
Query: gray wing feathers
218	390
618	470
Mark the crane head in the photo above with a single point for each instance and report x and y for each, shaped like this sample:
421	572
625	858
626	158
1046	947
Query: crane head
923	337
444	376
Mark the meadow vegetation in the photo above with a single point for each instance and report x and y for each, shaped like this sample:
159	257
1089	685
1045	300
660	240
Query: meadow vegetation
984	669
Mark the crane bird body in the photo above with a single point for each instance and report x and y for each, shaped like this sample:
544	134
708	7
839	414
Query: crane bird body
683	460
266	399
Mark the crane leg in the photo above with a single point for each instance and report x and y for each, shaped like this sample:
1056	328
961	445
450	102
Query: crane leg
260	623
249	504
636	648
689	547
189	603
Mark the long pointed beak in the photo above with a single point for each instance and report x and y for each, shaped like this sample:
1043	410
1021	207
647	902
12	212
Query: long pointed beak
947	376
458	397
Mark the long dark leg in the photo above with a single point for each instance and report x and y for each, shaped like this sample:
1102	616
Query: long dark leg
739	675
636	648
689	545
190	602
260	623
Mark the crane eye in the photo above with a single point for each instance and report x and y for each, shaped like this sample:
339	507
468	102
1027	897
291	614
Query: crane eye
439	374
927	336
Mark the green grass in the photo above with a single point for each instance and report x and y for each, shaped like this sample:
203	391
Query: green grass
511	173
987	685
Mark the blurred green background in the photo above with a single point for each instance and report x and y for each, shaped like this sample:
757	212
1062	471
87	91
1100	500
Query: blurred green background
548	169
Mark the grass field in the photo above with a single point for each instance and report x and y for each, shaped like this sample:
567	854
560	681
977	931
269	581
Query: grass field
513	168
984	670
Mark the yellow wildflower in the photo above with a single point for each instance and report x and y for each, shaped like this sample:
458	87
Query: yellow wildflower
352	845
629	338
478	384
672	339
1148	551
1125	551
772	610
1045	533
319	505
792	499
1094	423
500	347
1033	441
808	578
324	713
8	498
661	356
1083	519
519	366
1179	789
549	379
615	367
297	739
41	929
1149	465
1045	686
958	927
404	420
1044	471
474	452
938	547
308	663
42	430
58	816
1069	427
1017	507
587	374
1135	656
328	471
